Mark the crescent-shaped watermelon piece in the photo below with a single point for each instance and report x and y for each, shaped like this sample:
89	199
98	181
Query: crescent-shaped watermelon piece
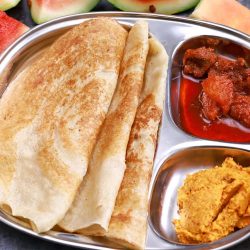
8	4
10	30
226	12
155	6
45	10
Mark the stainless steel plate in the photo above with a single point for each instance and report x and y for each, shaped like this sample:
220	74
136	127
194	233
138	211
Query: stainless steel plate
174	145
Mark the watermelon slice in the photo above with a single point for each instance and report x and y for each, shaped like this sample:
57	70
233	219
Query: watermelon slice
8	4
227	12
10	30
157	6
45	10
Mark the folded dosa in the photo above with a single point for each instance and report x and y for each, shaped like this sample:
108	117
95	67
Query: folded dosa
91	210
50	116
128	223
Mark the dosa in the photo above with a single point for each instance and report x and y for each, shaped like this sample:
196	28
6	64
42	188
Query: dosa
50	116
128	224
92	209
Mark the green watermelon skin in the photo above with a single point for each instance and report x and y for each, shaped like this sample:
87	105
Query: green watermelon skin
45	10
155	6
8	4
10	30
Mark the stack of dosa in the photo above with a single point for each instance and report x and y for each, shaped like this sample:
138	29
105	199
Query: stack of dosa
50	116
64	116
92	209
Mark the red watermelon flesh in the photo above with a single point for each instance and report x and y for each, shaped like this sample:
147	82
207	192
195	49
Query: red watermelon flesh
10	30
226	12
45	10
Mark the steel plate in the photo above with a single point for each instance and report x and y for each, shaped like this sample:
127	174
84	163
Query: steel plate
172	32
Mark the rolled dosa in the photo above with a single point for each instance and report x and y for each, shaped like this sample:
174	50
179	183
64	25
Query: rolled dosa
50	116
94	203
128	223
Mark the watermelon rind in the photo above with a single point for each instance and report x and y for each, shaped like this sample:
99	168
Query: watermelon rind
8	4
157	6
41	13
